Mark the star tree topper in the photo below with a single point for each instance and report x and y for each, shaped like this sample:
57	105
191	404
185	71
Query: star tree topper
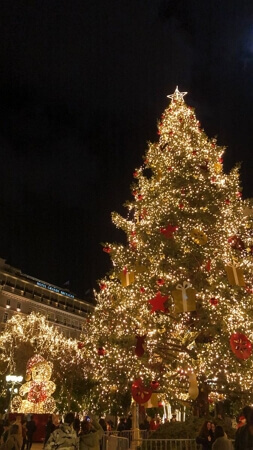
157	302
177	95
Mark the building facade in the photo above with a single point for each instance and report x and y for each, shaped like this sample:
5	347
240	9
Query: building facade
22	294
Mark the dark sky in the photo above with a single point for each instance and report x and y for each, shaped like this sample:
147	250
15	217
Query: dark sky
82	84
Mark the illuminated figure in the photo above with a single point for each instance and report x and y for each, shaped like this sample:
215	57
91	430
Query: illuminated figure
37	389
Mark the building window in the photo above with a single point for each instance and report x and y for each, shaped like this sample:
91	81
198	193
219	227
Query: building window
8	303
19	307
5	317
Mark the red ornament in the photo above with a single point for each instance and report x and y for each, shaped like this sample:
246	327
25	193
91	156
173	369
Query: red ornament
102	286
181	205
157	302
160	281
140	393
194	152
208	266
139	349
170	133
221	160
154	385
236	242
238	194
214	301
140	197
142	290
240	345
135	174
170	169
80	345
101	351
227	201
168	231
107	249
213	179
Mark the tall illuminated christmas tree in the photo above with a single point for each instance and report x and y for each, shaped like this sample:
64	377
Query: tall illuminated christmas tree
176	308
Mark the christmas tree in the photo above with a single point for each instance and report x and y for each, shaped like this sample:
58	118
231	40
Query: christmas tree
176	308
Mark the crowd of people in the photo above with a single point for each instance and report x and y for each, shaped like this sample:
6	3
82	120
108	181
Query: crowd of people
70	433
212	435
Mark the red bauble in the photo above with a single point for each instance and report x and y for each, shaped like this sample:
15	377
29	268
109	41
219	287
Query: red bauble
208	265
168	231
171	133
142	290
240	345
80	345
194	152
227	201
102	286
181	205
238	194
101	351
170	169
139	349
107	249
221	160
140	393
236	242
140	197
214	301
135	174
160	281
154	385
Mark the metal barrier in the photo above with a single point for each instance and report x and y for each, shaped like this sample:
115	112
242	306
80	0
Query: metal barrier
168	444
124	440
115	443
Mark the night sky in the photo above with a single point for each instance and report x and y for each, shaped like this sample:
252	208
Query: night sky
82	84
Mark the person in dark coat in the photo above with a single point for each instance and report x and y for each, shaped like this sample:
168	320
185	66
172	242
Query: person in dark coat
50	427
244	434
31	428
206	436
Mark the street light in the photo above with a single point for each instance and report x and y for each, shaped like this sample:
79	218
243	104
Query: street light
13	379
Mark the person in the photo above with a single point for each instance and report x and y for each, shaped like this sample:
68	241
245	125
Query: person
102	422
205	437
221	441
31	428
6	430
128	423
90	436
18	422
50	427
173	418
244	434
24	431
121	426
64	436
76	424
13	442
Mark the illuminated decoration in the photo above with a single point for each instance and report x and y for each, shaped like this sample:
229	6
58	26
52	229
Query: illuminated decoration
139	349
185	297
240	345
235	275
32	334
141	394
198	236
181	183
38	390
157	302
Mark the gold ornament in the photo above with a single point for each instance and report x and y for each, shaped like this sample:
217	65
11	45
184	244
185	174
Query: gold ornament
218	167
198	236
